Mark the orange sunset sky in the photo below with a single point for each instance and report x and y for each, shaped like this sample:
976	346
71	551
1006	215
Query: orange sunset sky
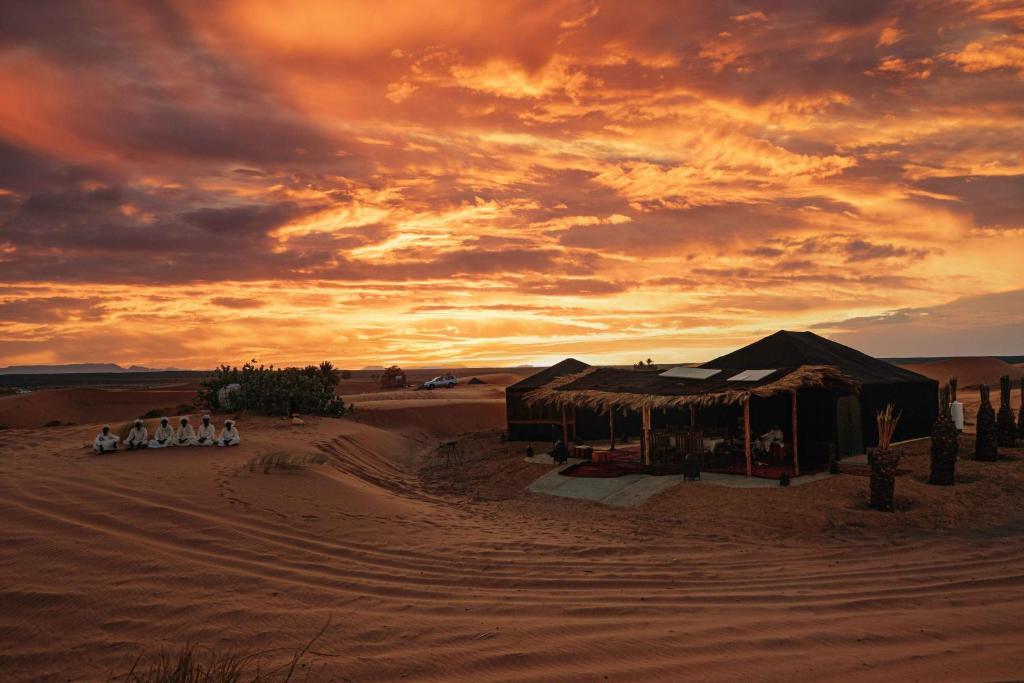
184	183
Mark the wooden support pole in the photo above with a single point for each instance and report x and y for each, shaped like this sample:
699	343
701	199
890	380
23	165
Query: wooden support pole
796	447
693	415
746	436
647	434
565	428
611	428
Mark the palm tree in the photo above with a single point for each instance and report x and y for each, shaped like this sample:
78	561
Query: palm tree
1020	413
329	373
1006	430
944	444
985	442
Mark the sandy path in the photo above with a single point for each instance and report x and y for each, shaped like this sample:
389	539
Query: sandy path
107	557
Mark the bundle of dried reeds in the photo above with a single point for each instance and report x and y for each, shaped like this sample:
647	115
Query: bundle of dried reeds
884	461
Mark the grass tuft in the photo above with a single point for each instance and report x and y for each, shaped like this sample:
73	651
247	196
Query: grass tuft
195	664
287	462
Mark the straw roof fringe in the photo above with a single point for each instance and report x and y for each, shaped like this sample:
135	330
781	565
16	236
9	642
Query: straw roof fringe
803	377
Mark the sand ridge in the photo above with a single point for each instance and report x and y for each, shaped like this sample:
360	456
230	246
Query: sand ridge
970	372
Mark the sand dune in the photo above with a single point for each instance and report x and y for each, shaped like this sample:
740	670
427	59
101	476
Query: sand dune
968	371
86	406
432	574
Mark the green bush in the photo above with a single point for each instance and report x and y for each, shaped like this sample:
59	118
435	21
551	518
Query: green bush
265	390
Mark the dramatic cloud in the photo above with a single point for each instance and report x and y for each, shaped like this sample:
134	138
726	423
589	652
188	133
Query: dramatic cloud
504	182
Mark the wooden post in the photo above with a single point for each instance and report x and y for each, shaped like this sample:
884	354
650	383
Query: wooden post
611	427
565	429
746	436
693	416
796	449
647	434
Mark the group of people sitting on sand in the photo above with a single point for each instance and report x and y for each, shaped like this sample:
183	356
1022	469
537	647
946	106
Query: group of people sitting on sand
166	436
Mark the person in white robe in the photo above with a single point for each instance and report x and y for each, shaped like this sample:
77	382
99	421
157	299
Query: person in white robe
163	437
229	435
206	435
138	437
773	435
105	441
185	435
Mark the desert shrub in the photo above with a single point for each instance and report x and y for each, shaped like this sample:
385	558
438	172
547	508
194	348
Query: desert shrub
52	423
151	414
346	374
393	377
280	460
264	390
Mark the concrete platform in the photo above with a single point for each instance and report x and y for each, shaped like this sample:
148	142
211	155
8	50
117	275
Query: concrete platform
633	489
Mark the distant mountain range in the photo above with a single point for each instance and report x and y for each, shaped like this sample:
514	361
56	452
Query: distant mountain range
76	368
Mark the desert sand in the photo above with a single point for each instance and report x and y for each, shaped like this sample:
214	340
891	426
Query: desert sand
423	572
87	406
970	372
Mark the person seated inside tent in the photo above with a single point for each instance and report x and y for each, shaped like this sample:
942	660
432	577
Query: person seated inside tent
185	435
206	435
773	435
138	437
105	441
771	442
163	437
229	435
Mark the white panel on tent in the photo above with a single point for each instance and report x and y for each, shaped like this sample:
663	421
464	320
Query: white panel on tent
751	375
685	372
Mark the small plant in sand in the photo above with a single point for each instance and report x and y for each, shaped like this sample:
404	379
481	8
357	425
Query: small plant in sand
195	664
986	439
944	444
1006	428
286	462
884	460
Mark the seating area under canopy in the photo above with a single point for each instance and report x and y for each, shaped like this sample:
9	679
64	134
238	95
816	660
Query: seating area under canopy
684	415
790	402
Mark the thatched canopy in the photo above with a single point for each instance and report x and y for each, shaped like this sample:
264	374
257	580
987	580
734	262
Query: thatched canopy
603	388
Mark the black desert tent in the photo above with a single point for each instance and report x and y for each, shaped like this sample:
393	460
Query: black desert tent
537	423
912	394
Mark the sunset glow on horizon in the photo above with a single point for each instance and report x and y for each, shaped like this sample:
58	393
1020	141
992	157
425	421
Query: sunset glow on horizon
187	183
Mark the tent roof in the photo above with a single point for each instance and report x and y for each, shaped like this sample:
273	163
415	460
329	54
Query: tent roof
601	388
788	349
569	366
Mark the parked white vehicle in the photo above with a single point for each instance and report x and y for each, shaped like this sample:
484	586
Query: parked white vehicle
446	381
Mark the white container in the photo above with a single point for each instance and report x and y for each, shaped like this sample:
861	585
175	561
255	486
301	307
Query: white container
956	413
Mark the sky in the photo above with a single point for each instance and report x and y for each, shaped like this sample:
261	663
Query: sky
187	183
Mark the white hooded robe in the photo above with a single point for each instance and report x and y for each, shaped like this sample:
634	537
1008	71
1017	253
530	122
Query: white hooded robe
105	443
163	437
185	435
229	435
137	437
206	435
